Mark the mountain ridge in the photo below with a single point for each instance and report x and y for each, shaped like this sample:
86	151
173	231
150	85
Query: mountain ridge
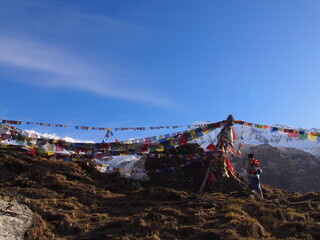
257	136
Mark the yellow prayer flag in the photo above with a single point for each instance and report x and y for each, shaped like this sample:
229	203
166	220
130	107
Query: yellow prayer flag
206	131
50	153
160	148
312	137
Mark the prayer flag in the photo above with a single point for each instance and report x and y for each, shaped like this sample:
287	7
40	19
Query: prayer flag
159	148
210	147
50	153
239	122
294	135
312	137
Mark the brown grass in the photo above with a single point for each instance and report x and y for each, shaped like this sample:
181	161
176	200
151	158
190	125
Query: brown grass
72	201
39	230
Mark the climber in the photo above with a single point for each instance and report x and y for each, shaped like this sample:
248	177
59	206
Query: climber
252	167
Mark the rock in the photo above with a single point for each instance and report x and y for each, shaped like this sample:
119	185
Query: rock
15	220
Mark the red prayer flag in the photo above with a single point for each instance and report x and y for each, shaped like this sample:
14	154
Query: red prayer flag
210	147
294	135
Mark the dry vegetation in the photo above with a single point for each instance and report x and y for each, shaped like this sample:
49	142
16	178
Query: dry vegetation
74	201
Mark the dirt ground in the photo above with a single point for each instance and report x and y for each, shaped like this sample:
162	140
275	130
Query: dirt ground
74	201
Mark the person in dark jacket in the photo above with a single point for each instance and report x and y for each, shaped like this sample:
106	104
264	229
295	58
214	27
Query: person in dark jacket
253	170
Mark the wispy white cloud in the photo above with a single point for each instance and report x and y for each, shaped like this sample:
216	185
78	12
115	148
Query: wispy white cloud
22	49
35	56
60	69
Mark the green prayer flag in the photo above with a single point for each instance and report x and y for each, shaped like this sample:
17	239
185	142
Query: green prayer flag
42	152
303	136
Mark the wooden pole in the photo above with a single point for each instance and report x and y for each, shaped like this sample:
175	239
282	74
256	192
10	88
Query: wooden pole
205	180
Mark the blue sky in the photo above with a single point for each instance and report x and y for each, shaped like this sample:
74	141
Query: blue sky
147	63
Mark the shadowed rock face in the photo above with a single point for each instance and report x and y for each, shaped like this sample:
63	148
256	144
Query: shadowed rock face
287	168
15	220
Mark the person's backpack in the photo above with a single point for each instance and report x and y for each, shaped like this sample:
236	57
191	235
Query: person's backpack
254	166
254	162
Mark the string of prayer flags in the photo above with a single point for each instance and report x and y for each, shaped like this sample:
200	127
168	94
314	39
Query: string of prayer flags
143	145
98	128
92	128
47	124
302	135
172	168
156	143
240	145
12	122
130	128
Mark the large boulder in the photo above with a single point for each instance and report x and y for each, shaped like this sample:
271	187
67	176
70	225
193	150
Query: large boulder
15	220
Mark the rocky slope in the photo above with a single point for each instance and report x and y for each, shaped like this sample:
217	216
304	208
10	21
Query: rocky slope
287	168
74	201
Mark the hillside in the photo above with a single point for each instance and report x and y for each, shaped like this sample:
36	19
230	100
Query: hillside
71	200
286	168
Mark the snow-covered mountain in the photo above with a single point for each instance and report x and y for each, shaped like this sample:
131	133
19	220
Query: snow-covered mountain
257	136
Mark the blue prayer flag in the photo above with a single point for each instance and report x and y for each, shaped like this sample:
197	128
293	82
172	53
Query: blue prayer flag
274	129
